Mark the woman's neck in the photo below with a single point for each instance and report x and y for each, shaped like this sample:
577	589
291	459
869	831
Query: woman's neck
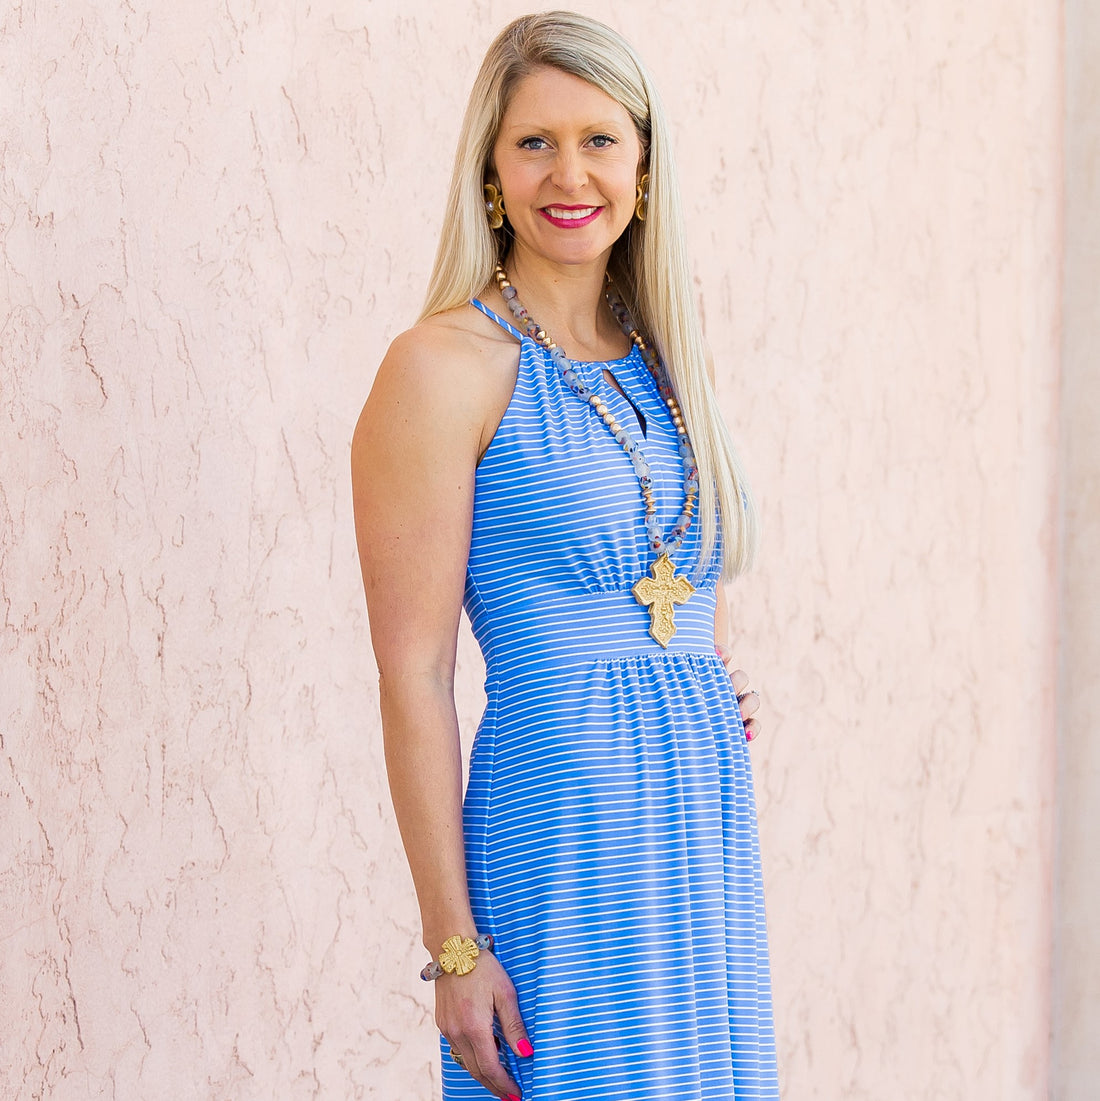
569	302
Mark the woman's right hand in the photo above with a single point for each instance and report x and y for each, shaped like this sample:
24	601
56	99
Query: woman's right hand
465	1006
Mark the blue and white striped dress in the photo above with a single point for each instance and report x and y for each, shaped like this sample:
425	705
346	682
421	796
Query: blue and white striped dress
610	825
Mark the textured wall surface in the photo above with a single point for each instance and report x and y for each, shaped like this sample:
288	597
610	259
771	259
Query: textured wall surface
1077	956
213	217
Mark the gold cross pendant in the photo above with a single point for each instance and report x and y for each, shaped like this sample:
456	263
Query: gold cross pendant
660	593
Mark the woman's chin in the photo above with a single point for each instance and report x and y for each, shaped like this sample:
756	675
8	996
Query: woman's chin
568	247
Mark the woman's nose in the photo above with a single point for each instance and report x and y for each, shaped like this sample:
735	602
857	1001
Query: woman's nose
569	173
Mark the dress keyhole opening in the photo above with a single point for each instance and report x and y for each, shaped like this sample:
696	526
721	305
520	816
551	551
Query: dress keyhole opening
613	381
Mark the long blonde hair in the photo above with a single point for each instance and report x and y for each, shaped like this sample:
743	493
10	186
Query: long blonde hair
649	262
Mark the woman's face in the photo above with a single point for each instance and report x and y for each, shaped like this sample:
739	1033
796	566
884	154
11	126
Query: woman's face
566	160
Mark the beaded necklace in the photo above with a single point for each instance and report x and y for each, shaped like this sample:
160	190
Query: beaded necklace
664	589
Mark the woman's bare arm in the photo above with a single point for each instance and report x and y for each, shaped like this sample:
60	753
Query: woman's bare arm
414	458
414	454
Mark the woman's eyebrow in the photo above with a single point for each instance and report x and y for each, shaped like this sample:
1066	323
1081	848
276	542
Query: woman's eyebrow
598	124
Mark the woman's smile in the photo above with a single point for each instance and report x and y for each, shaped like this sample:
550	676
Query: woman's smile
571	217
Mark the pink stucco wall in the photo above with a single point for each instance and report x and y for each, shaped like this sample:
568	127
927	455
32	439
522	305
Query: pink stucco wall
1076	1018
213	217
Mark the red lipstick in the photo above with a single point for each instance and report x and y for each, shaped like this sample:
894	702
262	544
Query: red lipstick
574	220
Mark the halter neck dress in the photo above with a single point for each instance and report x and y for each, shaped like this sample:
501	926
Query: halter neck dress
609	817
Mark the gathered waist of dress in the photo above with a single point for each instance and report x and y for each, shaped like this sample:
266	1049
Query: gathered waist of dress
564	629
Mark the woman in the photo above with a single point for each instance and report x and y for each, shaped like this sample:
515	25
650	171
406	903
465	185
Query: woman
608	838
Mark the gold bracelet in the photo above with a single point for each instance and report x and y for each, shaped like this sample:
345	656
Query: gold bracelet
459	956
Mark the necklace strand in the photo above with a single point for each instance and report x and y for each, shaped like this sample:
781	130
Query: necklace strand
569	374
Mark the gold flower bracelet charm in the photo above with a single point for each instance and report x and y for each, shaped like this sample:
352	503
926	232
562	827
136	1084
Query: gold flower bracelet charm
459	956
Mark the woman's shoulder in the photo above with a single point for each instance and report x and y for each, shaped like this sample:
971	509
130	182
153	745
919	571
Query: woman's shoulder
455	368
462	337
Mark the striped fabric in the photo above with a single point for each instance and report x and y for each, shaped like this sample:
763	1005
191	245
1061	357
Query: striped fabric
609	818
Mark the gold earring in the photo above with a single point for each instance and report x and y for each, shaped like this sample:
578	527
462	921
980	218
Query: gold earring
494	206
641	203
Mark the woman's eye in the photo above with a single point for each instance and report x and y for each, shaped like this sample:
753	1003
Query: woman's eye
602	141
533	144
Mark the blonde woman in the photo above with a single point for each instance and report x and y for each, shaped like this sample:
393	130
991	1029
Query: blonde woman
593	908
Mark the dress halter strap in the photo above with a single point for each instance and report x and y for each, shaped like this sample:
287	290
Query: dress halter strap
497	318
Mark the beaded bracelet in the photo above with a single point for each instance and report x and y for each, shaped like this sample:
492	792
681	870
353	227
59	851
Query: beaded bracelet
459	956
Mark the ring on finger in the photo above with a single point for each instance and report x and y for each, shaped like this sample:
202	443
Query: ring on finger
459	1059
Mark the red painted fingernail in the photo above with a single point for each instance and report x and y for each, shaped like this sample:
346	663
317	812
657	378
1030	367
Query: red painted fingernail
512	1097
748	734
524	1048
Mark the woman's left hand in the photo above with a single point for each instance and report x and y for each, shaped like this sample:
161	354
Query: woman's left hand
747	699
